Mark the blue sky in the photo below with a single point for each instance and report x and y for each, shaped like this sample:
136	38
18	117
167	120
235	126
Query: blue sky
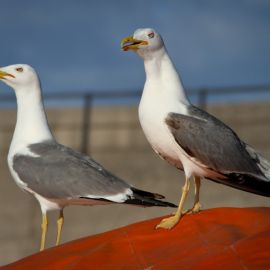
75	44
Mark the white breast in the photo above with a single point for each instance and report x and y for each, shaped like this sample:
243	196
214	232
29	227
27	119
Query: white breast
153	110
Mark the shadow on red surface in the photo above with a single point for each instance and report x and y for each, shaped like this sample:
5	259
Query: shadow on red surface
222	238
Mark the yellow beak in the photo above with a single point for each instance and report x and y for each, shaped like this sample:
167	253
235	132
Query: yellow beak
4	74
130	43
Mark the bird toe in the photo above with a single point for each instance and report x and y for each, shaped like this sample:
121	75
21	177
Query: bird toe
168	223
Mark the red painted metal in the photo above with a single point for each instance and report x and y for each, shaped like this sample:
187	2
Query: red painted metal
222	238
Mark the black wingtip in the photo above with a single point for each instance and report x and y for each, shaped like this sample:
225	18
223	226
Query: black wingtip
149	202
248	183
147	199
147	194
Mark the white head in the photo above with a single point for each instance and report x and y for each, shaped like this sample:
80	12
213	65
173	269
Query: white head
145	41
19	76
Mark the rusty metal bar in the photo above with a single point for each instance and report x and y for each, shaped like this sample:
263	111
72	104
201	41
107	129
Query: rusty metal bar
86	123
202	98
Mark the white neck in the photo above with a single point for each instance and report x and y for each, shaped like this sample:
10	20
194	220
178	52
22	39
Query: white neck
31	126
161	72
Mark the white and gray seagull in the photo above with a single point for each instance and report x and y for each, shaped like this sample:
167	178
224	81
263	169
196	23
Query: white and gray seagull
54	174
187	137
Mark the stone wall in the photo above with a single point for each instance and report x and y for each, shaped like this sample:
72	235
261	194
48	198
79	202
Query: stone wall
117	142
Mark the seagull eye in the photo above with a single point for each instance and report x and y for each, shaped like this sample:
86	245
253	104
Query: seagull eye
19	69
151	35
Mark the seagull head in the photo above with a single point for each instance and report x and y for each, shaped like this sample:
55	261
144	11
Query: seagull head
19	76
145	42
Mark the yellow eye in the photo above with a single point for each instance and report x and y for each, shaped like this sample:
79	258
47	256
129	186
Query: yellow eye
19	69
151	35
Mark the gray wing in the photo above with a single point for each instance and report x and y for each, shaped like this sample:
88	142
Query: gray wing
212	143
60	172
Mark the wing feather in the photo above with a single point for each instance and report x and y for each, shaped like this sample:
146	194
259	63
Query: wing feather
60	172
212	143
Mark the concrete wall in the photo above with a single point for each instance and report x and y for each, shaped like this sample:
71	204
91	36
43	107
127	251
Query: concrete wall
118	143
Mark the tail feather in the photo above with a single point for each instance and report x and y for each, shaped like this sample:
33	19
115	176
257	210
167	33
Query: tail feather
261	162
257	183
145	198
264	165
249	183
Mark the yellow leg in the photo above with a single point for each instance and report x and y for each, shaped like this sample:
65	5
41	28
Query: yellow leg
44	227
60	222
168	223
196	206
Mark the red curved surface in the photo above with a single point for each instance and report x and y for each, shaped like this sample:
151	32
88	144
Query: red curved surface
223	238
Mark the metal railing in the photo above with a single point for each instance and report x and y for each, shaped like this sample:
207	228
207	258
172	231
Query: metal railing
201	96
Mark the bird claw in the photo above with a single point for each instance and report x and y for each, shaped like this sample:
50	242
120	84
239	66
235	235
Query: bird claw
169	223
195	209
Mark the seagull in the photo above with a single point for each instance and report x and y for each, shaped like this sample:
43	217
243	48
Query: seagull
187	137
54	174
